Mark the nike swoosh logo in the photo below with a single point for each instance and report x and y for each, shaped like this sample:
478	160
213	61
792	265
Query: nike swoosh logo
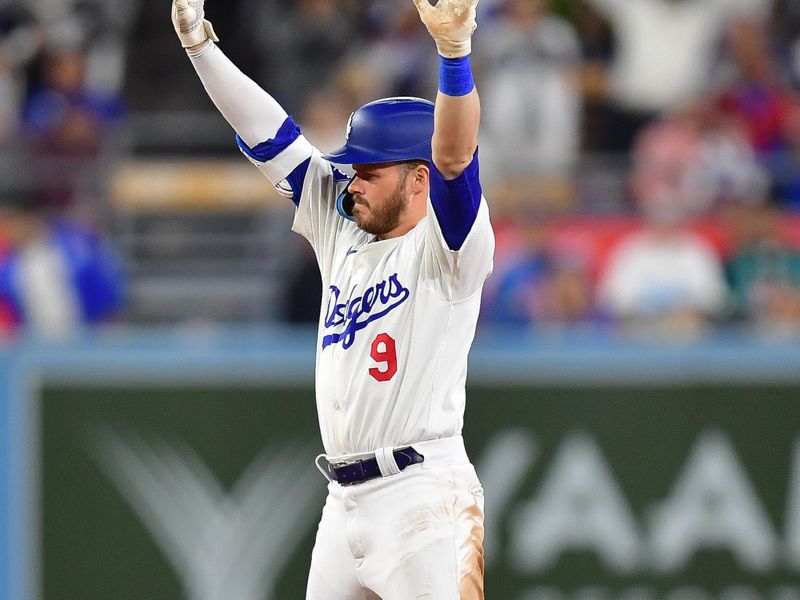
351	251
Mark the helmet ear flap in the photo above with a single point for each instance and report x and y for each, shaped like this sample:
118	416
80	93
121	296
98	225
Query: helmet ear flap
345	202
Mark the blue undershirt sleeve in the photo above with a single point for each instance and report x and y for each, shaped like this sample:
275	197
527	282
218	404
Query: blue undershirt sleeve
456	202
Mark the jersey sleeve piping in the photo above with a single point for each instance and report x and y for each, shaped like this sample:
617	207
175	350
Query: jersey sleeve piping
288	132
278	157
297	179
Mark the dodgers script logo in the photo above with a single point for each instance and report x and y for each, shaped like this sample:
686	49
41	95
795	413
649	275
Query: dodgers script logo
356	313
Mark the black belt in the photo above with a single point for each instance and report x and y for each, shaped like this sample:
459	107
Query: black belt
363	470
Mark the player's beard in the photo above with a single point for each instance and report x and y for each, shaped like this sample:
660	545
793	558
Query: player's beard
385	219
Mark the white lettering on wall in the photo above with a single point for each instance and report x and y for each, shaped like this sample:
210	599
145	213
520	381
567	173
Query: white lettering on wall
712	505
579	507
504	465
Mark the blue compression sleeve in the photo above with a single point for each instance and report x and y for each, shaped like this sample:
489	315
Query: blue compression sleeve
456	203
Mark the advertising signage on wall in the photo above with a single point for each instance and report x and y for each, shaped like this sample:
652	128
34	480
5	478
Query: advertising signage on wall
639	494
591	493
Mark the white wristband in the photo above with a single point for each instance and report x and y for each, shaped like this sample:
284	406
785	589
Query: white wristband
198	35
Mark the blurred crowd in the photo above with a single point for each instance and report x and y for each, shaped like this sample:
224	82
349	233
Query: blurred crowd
60	105
700	97
641	157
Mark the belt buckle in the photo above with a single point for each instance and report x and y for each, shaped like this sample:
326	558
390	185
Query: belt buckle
344	463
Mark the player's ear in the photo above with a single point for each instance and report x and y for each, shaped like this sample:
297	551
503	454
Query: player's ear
420	178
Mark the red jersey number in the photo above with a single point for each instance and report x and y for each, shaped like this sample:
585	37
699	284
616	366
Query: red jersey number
384	351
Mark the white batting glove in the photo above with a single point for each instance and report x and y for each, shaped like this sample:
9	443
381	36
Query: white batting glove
191	27
451	24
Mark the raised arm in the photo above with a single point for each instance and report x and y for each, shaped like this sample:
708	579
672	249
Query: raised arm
457	113
251	111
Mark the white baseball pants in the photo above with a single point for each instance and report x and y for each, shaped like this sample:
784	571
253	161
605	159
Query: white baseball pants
414	535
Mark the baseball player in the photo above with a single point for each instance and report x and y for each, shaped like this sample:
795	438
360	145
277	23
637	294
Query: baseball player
404	247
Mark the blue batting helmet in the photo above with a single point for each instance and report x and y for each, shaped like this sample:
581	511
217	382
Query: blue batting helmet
387	130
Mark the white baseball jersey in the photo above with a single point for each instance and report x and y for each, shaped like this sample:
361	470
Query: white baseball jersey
398	316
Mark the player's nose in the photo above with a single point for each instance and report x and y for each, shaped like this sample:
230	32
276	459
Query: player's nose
355	187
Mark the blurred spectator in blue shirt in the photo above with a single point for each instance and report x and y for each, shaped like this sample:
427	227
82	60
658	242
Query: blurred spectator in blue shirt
68	125
784	165
55	275
541	280
63	114
753	90
514	293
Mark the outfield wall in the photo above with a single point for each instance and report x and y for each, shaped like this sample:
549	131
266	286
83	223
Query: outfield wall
178	465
